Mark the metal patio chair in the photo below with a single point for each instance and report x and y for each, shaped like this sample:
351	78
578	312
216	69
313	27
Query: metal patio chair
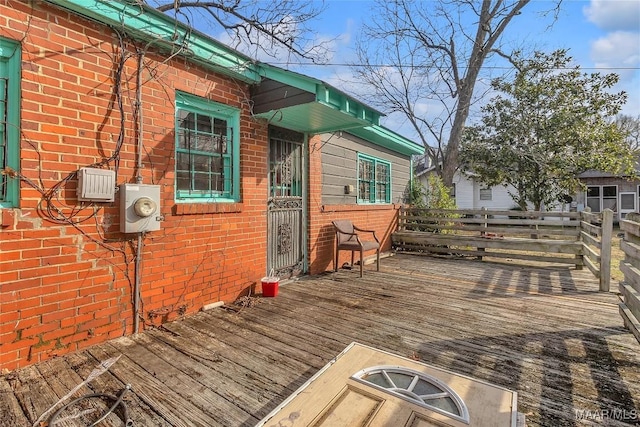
348	238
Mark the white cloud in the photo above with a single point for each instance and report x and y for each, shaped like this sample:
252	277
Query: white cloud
619	49
614	14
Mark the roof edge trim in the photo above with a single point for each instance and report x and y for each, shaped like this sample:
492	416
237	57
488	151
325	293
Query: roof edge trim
387	138
146	23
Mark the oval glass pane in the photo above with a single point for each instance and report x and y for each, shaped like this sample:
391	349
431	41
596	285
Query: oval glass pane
417	387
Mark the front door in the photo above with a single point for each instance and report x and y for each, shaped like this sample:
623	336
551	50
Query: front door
363	386
285	212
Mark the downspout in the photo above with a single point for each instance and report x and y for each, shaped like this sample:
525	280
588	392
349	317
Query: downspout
136	285
412	175
140	245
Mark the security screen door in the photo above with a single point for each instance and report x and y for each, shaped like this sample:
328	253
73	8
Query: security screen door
285	211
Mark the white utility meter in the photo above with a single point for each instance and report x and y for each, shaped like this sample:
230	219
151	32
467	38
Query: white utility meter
145	207
139	208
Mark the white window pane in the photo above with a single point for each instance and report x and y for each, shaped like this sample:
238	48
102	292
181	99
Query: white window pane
485	194
627	201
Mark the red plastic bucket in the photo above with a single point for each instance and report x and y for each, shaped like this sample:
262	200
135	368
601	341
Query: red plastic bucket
270	286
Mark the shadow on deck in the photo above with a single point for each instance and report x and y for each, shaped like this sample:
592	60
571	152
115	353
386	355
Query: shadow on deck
546	333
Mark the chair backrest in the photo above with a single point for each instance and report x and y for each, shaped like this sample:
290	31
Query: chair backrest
343	226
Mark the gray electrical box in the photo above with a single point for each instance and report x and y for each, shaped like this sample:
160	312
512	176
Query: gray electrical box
96	185
139	208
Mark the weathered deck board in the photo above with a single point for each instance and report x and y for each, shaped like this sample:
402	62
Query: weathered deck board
62	380
83	363
10	411
546	333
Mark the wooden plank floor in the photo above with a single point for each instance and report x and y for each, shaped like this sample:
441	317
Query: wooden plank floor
546	333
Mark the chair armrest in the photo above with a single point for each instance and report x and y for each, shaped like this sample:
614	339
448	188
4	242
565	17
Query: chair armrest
344	232
363	230
367	231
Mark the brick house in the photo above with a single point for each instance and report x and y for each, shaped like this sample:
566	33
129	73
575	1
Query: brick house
222	173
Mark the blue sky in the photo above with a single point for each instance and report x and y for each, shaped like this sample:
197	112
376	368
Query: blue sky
601	35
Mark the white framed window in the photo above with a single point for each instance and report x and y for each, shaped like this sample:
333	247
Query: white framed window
601	197
486	194
628	201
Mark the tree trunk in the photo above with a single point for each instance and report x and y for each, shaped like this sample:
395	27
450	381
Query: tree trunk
483	44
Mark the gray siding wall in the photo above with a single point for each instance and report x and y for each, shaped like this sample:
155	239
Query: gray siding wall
339	168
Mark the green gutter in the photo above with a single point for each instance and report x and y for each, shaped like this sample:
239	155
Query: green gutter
162	31
387	138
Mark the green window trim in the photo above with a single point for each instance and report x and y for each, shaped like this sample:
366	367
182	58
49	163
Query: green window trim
207	150
374	180
10	59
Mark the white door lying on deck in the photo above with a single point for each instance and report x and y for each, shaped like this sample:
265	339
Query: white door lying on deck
368	387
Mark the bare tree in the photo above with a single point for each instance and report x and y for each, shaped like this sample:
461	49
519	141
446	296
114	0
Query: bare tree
422	57
630	127
259	28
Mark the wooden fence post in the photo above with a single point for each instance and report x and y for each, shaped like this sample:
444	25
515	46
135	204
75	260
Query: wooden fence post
580	257
484	225
605	250
402	219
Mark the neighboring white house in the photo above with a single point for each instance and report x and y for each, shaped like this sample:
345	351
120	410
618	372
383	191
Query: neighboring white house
470	192
603	191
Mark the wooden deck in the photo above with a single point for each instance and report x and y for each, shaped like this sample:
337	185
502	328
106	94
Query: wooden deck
546	333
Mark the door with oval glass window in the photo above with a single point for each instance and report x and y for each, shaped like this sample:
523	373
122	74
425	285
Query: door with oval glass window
364	386
286	207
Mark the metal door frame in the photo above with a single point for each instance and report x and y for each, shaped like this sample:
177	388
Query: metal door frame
301	266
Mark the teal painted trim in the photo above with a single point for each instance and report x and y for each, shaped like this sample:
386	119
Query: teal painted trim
324	92
291	78
339	100
204	106
161	30
386	138
10	69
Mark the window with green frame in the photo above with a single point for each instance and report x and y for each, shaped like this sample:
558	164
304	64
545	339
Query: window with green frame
10	57
207	150
374	180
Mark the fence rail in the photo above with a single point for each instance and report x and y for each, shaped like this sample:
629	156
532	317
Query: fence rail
630	287
573	238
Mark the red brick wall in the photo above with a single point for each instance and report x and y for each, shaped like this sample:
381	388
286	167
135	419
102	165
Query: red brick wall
63	286
381	218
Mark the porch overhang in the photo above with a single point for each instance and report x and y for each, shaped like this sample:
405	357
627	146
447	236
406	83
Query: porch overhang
312	117
305	104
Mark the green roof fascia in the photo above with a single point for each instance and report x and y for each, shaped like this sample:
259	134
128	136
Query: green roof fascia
150	25
388	139
324	92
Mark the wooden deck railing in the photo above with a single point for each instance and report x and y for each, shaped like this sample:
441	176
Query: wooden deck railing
574	238
596	232
630	267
